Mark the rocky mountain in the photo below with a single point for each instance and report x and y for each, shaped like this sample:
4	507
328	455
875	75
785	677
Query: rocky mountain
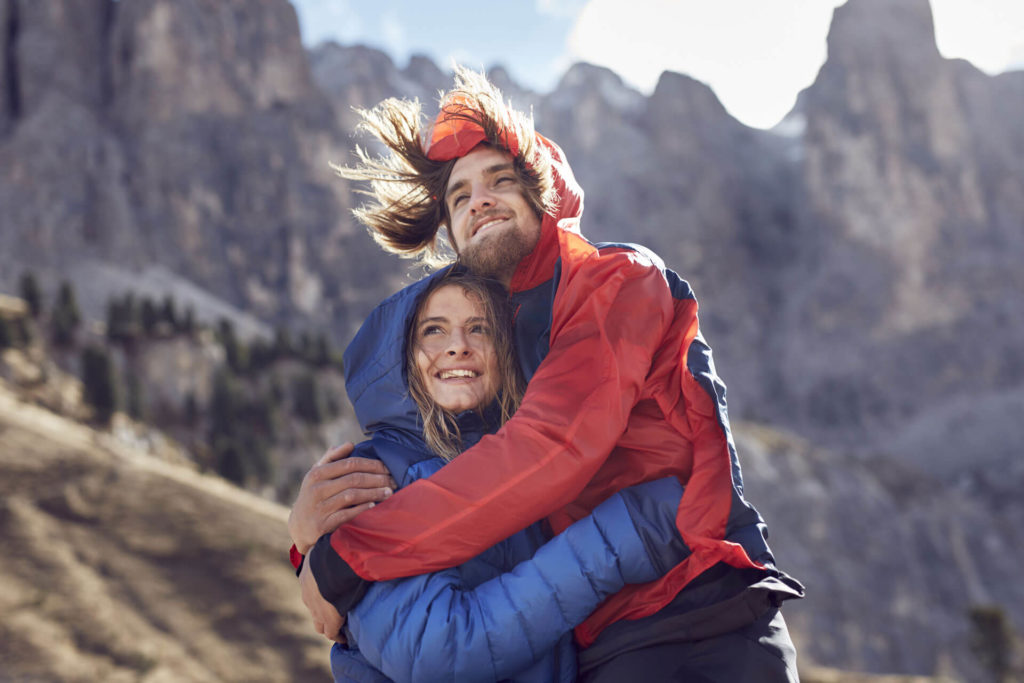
857	266
185	136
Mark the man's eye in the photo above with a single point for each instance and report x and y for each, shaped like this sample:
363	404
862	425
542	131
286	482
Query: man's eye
459	199
504	179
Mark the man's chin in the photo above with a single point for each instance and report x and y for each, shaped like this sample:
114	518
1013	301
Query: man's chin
496	256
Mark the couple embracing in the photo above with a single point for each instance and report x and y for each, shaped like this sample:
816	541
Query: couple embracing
550	491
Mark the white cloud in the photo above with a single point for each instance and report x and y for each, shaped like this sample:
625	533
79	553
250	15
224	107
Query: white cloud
987	33
756	55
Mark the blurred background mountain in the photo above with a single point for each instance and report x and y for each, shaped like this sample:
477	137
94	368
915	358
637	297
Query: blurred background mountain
165	191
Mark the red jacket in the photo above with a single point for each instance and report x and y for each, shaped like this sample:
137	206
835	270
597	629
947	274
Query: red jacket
625	394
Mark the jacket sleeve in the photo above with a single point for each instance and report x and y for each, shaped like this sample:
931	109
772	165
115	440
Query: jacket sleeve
430	627
576	407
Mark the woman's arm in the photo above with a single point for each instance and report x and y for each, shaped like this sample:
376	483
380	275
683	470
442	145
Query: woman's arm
431	627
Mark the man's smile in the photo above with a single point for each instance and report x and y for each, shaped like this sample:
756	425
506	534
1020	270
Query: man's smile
488	222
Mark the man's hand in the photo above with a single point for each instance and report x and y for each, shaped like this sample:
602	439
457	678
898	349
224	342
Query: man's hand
336	489
326	619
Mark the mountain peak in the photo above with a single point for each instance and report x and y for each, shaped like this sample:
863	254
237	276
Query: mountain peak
880	29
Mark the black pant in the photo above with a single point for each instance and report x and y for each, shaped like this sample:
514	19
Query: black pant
760	652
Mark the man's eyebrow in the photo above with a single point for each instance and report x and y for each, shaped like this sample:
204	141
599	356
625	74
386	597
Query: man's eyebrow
453	188
503	166
490	170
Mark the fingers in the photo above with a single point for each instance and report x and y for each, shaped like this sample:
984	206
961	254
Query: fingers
350	498
357	480
336	453
339	517
340	468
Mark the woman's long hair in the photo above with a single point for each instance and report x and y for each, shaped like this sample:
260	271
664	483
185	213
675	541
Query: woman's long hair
440	427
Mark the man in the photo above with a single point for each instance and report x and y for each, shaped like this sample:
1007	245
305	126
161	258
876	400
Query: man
621	390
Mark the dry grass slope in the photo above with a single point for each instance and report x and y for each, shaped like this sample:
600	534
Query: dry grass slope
119	567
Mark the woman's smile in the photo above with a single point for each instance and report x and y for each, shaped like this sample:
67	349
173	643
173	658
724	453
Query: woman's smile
455	351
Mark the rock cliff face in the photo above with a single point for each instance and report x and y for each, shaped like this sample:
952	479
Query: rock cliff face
858	267
188	135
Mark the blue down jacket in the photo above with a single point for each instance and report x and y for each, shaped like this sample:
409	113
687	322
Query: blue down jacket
506	614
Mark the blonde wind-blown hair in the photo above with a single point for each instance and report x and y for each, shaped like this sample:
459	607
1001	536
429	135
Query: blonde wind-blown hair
407	188
440	426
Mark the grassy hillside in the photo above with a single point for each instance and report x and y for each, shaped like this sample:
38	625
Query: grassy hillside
121	567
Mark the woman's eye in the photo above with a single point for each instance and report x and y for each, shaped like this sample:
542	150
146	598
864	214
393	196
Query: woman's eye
431	330
479	329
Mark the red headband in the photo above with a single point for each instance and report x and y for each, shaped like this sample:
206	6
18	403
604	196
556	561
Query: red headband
457	131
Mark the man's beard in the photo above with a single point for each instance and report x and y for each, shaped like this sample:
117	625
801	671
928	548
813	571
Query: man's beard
497	257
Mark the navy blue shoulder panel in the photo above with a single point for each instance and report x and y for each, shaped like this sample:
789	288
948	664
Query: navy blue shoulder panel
679	287
533	309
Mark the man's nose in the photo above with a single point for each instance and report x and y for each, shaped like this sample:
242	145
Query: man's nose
481	200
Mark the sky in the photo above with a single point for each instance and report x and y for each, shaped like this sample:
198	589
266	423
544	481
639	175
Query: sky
755	54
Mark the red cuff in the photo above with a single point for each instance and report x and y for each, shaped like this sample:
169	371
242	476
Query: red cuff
296	557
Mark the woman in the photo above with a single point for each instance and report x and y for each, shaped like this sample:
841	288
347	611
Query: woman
507	613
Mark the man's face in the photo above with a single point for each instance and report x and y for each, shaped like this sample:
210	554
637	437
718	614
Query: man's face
493	225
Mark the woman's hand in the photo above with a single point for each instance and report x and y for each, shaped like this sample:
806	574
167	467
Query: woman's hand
335	490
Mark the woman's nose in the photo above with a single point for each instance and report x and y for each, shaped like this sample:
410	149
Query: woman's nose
458	345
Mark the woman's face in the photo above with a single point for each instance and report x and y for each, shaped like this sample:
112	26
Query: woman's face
454	350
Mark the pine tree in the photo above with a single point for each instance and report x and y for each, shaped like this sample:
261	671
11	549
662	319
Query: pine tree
261	355
187	322
135	404
224	402
321	351
992	641
66	317
190	410
169	312
308	400
282	344
235	352
150	316
6	333
228	459
28	287
99	387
